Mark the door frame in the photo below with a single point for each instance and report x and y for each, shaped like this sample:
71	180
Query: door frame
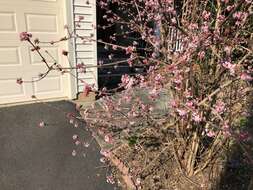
70	46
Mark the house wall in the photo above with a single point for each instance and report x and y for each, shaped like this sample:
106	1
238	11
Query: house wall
85	52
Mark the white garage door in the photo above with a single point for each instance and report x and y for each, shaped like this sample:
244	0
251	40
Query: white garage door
45	20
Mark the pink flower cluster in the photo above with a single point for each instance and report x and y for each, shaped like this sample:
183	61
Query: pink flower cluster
25	36
240	17
219	107
231	67
127	81
129	50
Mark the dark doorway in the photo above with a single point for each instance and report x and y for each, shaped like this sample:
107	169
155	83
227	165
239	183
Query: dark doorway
110	76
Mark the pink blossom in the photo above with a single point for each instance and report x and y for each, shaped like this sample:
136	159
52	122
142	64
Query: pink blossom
221	18
74	137
114	47
86	90
70	115
103	159
110	56
219	107
201	55
173	20
244	136
225	126
231	67
24	36
145	61
130	63
138	181
240	17
129	50
246	77
110	179
178	79
108	138
210	133
86	144
80	65
169	1
42	124
100	62
71	121
193	26
74	153
228	49
190	104
76	125
130	83
188	94
131	122
77	143
105	153
153	93
158	78
19	81
82	70
229	8
226	133
173	103
135	43
237	15
206	15
181	112
143	106
205	28
196	117
127	81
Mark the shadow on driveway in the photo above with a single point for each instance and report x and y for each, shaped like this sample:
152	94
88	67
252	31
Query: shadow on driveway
33	158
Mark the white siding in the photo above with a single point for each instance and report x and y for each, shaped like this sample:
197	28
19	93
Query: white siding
85	52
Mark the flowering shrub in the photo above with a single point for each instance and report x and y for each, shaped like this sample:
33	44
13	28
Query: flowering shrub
207	77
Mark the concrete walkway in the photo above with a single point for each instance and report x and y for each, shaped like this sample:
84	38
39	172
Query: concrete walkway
33	158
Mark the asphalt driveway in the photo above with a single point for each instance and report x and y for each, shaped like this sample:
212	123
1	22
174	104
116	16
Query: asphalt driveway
34	158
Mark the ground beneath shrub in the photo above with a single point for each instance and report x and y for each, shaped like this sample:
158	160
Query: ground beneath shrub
144	159
157	170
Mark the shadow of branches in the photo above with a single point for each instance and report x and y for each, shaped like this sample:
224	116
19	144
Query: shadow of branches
238	171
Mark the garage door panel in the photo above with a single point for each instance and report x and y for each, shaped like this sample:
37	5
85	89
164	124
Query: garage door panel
31	2
11	73
10	56
42	23
9	88
51	84
10	40
8	22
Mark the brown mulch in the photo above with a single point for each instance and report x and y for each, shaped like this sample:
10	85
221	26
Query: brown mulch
143	158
